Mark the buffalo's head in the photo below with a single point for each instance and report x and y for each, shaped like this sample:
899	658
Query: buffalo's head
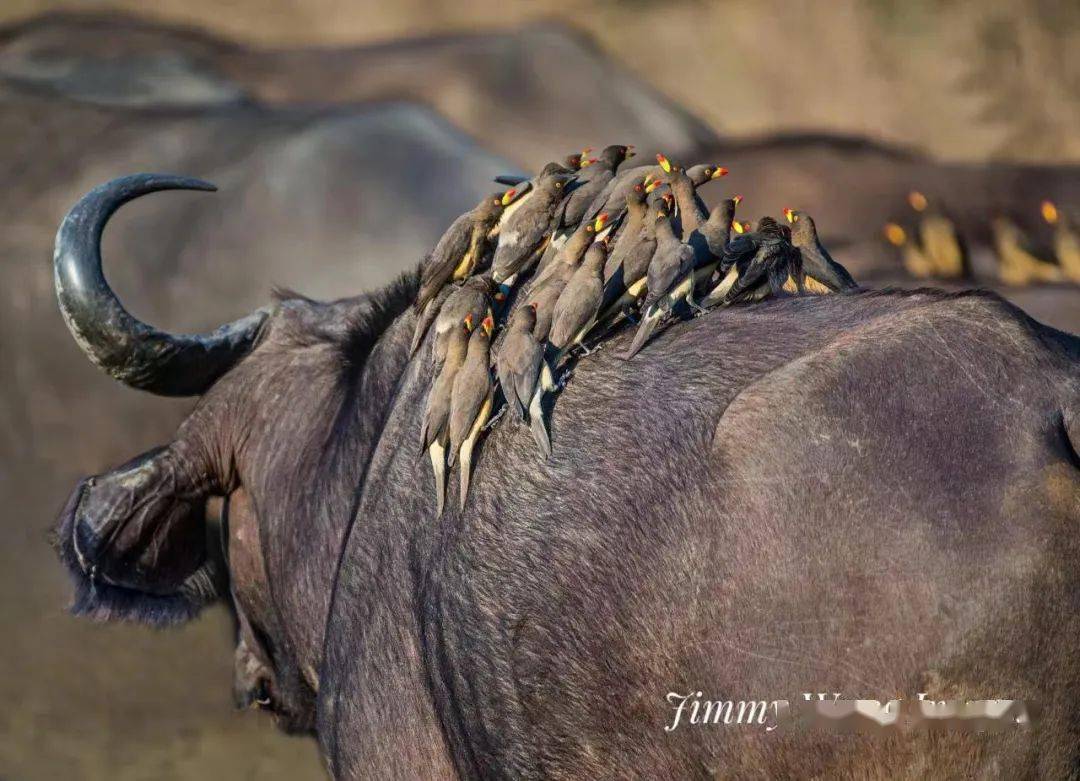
136	540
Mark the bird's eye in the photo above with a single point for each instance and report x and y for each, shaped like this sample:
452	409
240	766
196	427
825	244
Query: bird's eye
558	185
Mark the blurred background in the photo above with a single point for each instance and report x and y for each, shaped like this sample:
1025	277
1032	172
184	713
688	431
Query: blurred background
344	137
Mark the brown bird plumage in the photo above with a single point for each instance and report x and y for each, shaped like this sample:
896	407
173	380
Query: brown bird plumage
435	432
524	233
460	250
470	402
579	304
517	364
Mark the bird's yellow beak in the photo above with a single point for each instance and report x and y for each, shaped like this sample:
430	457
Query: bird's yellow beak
720	171
917	200
601	221
488	325
792	217
895	235
1049	212
652	185
738	227
737	199
508	197
664	163
468	322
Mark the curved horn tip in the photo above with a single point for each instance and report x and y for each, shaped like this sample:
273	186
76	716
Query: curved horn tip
129	350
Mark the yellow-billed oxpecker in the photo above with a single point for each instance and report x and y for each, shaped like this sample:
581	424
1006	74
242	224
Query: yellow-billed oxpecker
672	261
914	259
1066	240
570	252
526	230
690	209
579	304
940	240
460	250
822	273
1017	263
517	364
756	265
473	299
435	434
470	402
591	181
627	282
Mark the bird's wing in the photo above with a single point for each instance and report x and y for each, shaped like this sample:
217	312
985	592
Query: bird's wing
504	370
471	390
819	265
528	373
448	252
577	305
739	249
753	271
600	201
687	258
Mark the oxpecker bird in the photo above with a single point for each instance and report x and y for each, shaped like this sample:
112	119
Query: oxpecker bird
435	434
756	264
460	250
914	259
470	402
472	298
591	182
1066	240
940	240
673	261
823	274
517	364
691	209
1017	262
570	252
579	304
524	233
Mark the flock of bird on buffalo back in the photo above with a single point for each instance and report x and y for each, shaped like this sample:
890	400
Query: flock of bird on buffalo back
933	248
568	255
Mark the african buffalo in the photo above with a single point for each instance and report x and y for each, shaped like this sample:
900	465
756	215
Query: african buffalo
873	494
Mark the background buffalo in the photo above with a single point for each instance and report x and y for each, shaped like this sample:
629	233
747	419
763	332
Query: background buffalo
339	165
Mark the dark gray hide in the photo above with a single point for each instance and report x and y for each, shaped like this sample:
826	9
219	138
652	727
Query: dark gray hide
873	494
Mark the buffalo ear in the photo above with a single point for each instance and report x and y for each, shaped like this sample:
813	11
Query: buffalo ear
134	541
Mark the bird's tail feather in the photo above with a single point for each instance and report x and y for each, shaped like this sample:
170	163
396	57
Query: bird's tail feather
466	471
437	453
467	449
644	331
537	424
718	293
